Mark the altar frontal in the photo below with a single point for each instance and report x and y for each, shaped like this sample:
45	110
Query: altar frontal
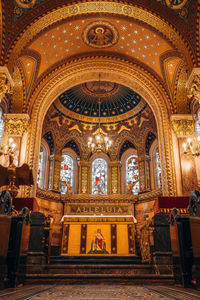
98	235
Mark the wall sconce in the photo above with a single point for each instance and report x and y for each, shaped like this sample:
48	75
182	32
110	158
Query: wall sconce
192	147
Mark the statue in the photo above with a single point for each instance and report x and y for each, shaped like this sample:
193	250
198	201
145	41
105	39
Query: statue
129	188
66	185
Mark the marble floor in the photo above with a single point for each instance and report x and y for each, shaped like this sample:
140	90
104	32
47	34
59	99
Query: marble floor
99	292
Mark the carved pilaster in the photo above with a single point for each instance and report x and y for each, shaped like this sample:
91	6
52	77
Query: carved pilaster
143	166
182	125
85	166
56	173
115	171
6	82
16	124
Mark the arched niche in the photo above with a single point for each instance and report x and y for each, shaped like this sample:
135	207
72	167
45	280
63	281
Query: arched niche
122	72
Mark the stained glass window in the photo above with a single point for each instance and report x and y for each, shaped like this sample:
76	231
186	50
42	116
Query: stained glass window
158	169
132	173
1	124
40	173
66	173
99	176
198	127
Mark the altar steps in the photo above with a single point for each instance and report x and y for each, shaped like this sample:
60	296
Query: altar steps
96	269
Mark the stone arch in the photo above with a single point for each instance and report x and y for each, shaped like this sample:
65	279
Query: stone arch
122	72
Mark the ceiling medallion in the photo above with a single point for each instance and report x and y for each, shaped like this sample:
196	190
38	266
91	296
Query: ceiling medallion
175	4
104	89
100	34
26	3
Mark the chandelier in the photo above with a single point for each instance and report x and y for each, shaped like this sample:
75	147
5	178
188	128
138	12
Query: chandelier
100	142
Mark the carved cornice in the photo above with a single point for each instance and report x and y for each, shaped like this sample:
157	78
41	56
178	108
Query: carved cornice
16	124
89	198
182	125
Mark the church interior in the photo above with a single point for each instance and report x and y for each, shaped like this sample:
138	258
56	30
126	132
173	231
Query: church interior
99	149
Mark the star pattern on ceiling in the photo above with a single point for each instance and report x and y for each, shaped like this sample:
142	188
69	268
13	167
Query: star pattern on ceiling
134	40
78	100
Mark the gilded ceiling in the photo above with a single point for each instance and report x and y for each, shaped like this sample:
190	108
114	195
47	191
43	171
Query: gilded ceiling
158	35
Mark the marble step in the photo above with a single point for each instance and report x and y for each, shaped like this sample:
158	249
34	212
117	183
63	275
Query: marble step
91	269
95	260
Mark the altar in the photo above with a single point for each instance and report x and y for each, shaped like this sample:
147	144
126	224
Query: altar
98	235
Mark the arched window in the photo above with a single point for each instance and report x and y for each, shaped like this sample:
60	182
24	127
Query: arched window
42	167
158	169
66	174
99	176
197	127
1	124
132	173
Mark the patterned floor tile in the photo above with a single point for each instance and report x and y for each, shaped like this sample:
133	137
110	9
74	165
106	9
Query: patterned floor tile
99	292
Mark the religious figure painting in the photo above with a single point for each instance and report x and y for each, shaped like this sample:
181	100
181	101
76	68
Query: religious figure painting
98	244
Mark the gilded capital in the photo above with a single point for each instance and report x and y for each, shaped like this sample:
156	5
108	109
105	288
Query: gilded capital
182	125
16	124
6	82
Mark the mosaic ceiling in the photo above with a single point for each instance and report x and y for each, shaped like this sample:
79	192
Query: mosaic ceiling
91	34
115	99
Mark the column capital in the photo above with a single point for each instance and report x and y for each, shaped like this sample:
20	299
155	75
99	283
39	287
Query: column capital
115	163
16	124
85	163
182	125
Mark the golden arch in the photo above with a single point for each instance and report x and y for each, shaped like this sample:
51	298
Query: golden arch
107	7
121	72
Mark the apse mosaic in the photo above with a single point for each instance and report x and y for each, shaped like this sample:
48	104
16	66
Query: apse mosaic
73	146
132	174
66	174
49	138
100	34
117	102
149	140
99	176
126	145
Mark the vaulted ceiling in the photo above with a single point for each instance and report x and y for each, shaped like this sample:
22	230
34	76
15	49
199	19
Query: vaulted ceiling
160	36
